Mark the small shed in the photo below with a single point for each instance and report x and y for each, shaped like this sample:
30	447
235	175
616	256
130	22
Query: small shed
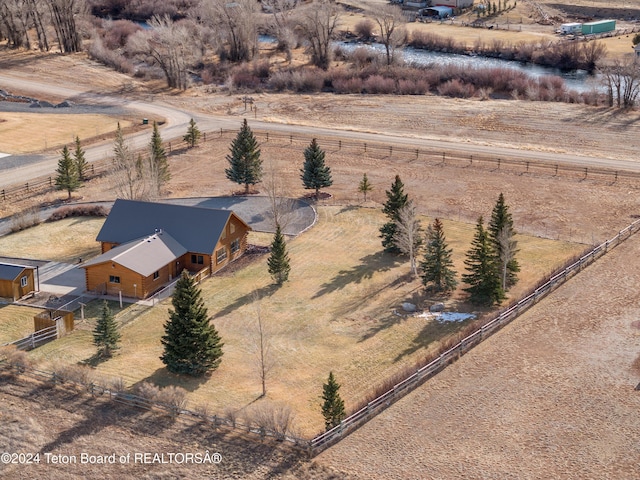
16	281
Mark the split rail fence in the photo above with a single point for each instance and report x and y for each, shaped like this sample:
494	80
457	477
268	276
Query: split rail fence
392	152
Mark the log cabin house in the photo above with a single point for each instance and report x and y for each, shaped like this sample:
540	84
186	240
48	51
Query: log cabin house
16	281
146	245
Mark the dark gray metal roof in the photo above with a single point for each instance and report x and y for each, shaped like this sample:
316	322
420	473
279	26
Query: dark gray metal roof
195	228
10	272
145	255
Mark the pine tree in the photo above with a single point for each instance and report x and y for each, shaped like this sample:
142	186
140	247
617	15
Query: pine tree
245	166
501	234
314	173
396	199
105	335
437	266
193	134
67	178
192	345
332	406
278	261
484	276
365	186
159	158
80	161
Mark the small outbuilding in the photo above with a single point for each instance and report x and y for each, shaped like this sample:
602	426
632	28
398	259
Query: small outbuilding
437	12
16	281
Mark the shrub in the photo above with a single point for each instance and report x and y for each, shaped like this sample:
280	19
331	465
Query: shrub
78	211
148	391
77	374
456	88
364	28
275	417
363	56
175	398
377	84
25	219
116	33
412	87
111	58
349	85
17	359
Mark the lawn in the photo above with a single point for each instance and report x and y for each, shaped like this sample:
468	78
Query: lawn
337	313
18	135
62	241
16	322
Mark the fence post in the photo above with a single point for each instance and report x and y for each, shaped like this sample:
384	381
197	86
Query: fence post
267	136
290	139
365	148
470	159
499	164
417	153
339	144
27	186
204	137
50	182
586	171
169	147
220	131
93	169
527	167
616	177
443	157
556	174
3	195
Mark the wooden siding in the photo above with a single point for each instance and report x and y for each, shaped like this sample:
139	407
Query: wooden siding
97	276
45	320
13	288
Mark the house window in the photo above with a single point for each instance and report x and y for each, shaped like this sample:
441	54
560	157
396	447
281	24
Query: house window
221	255
235	245
197	259
156	275
114	279
23	281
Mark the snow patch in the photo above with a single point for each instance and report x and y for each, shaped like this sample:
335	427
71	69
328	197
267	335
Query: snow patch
443	317
4	154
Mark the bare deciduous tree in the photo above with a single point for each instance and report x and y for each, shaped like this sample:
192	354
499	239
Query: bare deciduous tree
172	46
391	25
128	172
280	206
236	24
281	14
262	348
622	80
508	250
317	24
408	236
63	17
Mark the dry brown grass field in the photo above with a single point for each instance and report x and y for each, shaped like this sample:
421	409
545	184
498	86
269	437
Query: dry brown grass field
32	132
337	313
16	322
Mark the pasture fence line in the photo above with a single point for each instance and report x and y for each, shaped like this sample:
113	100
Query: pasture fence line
173	409
427	371
381	150
34	340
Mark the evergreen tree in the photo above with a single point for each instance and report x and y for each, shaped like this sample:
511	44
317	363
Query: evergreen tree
437	266
67	178
159	157
245	166
191	344
314	173
278	261
396	199
501	234
365	186
484	276
105	335
193	134
80	161
332	406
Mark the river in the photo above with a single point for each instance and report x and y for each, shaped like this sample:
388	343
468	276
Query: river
579	80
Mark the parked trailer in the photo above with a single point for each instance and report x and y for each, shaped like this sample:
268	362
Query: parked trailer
598	27
571	29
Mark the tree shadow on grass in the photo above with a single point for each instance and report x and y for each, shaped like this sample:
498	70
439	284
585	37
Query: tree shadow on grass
258	293
433	331
95	360
164	378
370	264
